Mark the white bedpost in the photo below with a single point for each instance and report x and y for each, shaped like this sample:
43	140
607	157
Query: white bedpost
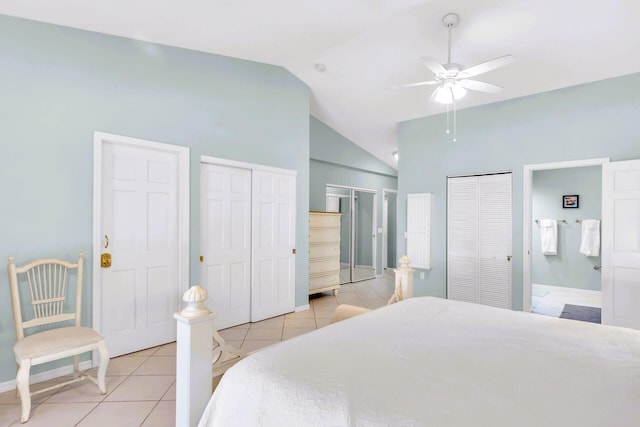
404	281
193	358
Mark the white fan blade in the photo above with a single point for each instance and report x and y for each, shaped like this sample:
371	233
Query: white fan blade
427	83
486	66
432	97
480	86
433	65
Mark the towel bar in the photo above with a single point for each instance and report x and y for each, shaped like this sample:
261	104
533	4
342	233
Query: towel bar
559	220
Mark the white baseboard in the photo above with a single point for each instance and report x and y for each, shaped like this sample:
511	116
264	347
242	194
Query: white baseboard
564	289
47	375
302	308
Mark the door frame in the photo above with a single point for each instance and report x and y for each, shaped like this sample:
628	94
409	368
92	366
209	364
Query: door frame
527	184
245	165
385	226
101	138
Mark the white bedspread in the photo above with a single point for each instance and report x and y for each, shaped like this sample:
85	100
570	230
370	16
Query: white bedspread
434	362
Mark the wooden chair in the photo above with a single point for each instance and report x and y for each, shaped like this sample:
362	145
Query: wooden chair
44	288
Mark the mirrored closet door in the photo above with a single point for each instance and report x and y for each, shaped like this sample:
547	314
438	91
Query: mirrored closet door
357	233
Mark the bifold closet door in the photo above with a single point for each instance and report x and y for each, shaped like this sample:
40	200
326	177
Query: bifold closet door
462	238
479	239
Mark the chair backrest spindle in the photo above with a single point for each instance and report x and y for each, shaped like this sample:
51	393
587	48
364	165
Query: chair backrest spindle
46	280
79	289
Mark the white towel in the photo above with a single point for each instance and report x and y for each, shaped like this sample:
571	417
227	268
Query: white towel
549	236
590	245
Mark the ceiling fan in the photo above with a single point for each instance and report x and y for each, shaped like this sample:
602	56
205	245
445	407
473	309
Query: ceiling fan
454	80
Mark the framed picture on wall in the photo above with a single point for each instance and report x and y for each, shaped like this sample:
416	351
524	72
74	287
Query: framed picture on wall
572	201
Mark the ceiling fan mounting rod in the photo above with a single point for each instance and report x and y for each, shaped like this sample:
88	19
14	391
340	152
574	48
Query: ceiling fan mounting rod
450	20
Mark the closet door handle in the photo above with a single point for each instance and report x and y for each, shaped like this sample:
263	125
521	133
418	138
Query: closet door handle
508	257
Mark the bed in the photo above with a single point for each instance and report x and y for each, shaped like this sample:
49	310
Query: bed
429	361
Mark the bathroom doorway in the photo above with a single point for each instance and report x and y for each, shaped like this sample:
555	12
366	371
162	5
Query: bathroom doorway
563	281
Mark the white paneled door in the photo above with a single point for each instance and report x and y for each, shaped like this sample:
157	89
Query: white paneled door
138	294
273	275
226	242
479	239
621	243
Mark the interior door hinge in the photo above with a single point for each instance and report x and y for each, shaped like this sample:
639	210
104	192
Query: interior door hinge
201	258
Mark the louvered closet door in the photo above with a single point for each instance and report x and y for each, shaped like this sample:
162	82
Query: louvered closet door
494	240
462	238
479	239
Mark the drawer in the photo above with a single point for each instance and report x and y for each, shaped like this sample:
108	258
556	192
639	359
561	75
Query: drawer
324	281
324	251
324	235
324	266
324	220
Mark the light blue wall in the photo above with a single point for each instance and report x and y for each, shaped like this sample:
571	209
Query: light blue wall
392	257
568	268
581	122
336	160
59	85
329	146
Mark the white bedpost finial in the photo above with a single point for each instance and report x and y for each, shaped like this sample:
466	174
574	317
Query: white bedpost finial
195	298
404	281
404	262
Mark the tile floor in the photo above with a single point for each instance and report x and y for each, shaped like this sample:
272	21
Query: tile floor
359	273
141	386
554	299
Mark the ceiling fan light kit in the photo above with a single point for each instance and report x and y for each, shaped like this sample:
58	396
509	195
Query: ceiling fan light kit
449	92
453	79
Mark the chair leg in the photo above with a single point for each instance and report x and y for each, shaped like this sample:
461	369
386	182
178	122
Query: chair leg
17	392
102	369
76	366
22	384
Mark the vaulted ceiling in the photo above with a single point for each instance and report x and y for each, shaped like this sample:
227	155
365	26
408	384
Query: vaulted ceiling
369	45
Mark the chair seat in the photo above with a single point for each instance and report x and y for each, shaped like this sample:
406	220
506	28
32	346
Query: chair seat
55	341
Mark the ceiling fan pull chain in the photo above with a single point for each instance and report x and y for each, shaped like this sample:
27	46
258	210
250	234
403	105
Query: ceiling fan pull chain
447	119
454	118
